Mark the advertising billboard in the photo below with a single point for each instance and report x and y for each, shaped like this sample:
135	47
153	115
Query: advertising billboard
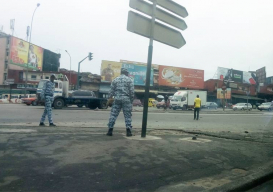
261	75
24	55
220	94
138	73
110	70
236	76
181	77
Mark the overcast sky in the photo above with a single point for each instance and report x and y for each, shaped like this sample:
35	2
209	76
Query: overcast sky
228	33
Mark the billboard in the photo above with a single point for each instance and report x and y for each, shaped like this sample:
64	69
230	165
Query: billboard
51	61
110	70
181	77
236	75
220	94
138	73
22	54
261	75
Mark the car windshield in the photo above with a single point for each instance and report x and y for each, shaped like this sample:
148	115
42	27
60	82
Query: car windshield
41	84
140	95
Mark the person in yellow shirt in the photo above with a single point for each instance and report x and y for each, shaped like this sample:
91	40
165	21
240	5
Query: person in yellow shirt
197	106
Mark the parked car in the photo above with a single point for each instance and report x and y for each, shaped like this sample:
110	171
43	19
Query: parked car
266	106
242	106
29	101
137	103
210	105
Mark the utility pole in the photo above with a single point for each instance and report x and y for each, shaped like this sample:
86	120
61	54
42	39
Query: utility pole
38	4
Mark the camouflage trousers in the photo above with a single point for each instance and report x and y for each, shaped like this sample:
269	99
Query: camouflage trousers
126	105
48	109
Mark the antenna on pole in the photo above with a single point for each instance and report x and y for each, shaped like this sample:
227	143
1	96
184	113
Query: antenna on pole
12	24
27	32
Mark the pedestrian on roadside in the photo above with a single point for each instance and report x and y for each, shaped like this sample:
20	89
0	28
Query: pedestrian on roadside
48	95
197	106
166	102
122	88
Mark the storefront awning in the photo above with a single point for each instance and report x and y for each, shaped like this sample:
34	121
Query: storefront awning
143	91
245	97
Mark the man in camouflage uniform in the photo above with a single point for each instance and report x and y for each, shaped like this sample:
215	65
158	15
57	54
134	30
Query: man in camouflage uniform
122	88
48	94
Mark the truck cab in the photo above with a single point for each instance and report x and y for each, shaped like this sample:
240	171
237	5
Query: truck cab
179	100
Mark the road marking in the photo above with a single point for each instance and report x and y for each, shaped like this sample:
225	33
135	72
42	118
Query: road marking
17	130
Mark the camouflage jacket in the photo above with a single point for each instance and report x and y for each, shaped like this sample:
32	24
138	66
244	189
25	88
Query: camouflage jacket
121	87
48	89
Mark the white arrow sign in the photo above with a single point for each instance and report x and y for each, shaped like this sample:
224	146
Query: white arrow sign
142	25
173	7
164	16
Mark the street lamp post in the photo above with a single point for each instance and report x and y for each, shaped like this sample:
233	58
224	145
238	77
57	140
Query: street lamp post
38	4
70	68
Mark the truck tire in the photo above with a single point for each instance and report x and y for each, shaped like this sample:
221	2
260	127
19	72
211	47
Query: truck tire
103	105
92	106
80	105
58	103
34	103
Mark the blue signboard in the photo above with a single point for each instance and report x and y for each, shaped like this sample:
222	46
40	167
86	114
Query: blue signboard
138	73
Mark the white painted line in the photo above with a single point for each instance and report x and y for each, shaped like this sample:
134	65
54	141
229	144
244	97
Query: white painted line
17	130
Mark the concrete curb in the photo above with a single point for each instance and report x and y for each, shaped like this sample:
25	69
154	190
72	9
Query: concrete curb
256	177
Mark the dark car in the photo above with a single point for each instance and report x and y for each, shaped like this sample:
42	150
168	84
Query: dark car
137	102
210	105
83	94
266	106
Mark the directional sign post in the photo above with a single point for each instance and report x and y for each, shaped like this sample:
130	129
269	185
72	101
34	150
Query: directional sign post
153	30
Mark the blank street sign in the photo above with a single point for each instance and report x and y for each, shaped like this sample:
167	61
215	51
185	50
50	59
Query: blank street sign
142	25
173	7
160	14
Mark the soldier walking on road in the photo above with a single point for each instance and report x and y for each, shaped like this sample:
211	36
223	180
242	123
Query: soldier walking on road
197	106
48	94
122	88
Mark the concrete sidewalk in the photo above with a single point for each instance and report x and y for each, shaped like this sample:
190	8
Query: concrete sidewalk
84	159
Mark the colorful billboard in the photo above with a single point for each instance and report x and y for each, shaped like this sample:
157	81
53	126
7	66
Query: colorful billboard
181	77
138	73
236	76
23	55
110	70
220	94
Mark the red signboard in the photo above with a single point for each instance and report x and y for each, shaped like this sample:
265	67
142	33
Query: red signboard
181	77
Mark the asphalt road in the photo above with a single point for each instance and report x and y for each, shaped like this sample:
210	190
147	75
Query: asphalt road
77	156
14	114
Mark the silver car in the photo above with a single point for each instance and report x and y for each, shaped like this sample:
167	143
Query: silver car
242	106
266	106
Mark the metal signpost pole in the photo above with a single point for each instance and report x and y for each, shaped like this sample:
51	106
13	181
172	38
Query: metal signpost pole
148	76
78	78
140	25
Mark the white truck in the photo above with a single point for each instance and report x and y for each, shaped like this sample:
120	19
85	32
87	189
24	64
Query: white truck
62	98
185	99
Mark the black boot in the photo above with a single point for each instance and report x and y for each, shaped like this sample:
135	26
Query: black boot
128	134
52	125
110	132
41	124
